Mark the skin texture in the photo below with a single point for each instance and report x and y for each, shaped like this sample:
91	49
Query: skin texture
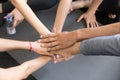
89	16
57	41
22	71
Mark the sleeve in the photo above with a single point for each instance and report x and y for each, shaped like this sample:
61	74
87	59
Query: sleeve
107	45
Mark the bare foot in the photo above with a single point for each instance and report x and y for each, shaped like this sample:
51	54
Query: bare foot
79	4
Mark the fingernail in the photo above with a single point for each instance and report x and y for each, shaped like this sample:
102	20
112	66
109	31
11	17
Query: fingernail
55	62
58	56
41	36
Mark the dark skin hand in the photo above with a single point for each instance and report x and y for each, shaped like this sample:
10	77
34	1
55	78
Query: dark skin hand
56	41
67	53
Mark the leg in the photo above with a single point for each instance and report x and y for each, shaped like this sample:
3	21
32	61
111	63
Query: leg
108	45
36	5
80	4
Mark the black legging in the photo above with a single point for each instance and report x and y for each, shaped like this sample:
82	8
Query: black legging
110	6
35	5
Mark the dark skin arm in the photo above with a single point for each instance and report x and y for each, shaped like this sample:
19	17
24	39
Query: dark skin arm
55	41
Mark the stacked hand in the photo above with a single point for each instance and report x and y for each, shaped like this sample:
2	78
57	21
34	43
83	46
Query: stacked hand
56	41
61	46
40	50
66	53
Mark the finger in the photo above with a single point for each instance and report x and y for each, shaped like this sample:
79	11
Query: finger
48	35
47	40
91	25
54	48
96	23
15	22
48	54
87	23
80	18
56	58
46	45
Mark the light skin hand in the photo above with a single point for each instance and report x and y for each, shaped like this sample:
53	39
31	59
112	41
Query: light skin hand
90	20
18	18
36	48
56	41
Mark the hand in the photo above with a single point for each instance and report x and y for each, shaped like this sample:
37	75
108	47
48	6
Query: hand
56	41
36	48
67	53
18	17
90	20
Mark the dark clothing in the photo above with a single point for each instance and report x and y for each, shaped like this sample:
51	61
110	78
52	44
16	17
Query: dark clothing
35	5
106	45
110	6
2	1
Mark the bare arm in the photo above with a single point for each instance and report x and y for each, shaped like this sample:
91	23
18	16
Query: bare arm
94	6
66	39
12	45
22	6
36	23
62	12
106	30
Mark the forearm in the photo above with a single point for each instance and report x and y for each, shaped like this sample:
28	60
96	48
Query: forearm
62	12
106	30
13	45
30	16
36	64
35	22
94	6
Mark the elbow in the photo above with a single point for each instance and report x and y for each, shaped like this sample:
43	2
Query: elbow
14	2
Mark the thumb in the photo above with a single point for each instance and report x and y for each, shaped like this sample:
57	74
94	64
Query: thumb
15	22
80	18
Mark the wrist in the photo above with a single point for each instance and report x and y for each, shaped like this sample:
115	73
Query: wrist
30	46
75	35
91	12
56	30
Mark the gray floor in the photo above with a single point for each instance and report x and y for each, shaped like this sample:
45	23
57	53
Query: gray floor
80	68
